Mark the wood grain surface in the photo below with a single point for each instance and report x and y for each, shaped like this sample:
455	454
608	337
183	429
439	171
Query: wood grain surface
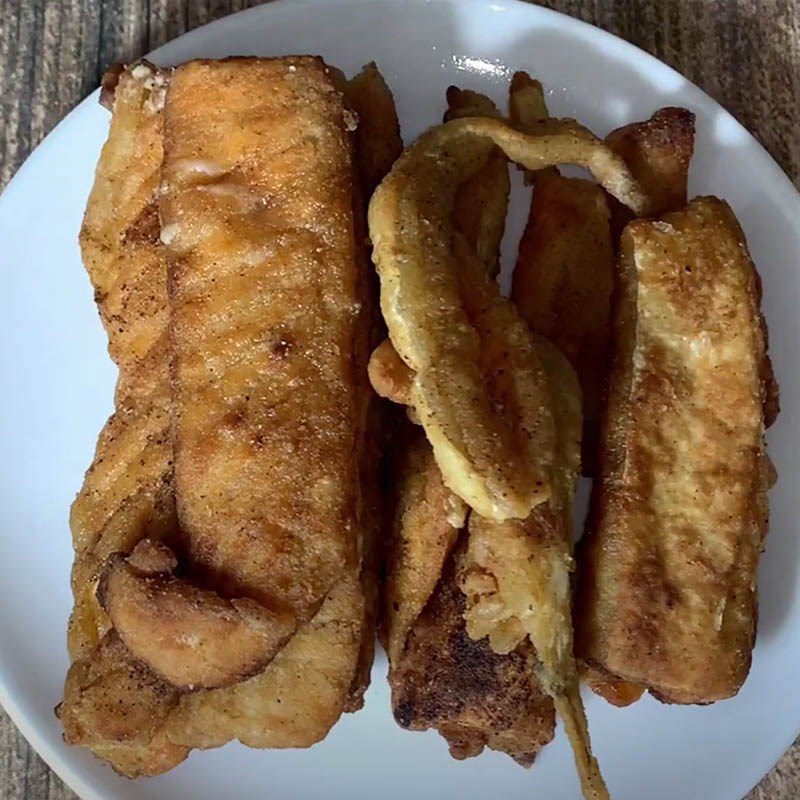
744	53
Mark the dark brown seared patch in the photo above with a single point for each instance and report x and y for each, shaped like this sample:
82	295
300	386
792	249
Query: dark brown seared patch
282	346
474	696
145	228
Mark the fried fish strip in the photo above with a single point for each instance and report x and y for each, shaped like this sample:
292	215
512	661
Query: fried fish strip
667	592
484	457
377	145
564	273
112	704
128	486
377	136
481	203
516	575
441	678
473	696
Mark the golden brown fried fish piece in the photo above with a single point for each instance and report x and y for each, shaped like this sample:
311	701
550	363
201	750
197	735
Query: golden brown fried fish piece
257	214
658	152
564	274
377	135
563	280
484	456
440	678
516	574
668	566
114	703
473	696
377	145
127	491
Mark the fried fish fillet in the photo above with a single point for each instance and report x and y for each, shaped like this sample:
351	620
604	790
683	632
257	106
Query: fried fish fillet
564	274
440	678
473	696
563	280
377	145
127	492
667	595
118	703
112	703
257	214
517	574
487	458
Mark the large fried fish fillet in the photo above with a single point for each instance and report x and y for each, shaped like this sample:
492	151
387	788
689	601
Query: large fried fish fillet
293	285
667	593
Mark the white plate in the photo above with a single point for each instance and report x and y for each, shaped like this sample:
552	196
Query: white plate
58	385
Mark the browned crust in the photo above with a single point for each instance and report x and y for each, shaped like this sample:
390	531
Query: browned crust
114	704
658	152
667	584
474	697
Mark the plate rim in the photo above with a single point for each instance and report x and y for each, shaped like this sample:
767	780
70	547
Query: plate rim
60	759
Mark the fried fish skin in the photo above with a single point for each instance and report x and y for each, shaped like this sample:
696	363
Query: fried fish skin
667	590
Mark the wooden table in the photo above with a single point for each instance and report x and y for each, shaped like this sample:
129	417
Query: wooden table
744	53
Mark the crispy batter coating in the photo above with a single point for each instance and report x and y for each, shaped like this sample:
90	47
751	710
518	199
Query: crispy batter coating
377	135
668	569
176	627
127	491
257	213
563	281
114	703
440	677
483	456
516	574
657	152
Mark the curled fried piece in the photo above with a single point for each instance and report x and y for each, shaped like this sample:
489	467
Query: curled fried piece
187	635
485	456
516	574
481	202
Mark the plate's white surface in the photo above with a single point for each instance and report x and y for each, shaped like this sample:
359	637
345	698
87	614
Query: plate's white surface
57	391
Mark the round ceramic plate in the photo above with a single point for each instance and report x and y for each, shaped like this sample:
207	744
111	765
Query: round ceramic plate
58	384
